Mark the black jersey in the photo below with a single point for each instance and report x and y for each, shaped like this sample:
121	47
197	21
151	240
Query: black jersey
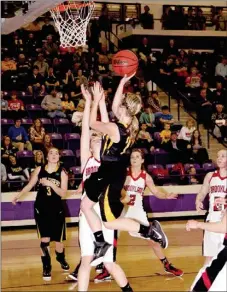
46	198
111	151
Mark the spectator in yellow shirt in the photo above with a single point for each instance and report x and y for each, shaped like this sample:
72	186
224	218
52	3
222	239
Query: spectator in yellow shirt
8	64
67	104
165	134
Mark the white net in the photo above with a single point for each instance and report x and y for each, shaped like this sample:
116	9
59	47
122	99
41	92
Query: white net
71	21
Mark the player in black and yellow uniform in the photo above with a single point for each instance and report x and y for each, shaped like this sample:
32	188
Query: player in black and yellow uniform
48	208
106	185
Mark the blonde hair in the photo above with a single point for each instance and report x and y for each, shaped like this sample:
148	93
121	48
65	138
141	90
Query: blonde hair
133	104
190	120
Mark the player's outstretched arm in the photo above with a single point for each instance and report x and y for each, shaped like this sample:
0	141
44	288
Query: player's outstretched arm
103	110
29	186
85	132
203	192
119	94
219	227
156	192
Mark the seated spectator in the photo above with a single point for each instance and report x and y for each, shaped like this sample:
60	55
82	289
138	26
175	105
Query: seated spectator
219	120
52	104
191	19
47	143
165	116
78	114
8	64
155	103
146	19
42	65
166	72
23	66
147	118
51	80
39	159
205	85
194	79
72	184
17	45
69	80
192	180
144	47
50	48
219	95
36	82
67	104
7	149
57	68
179	149
221	70
205	108
37	133
47	29
15	107
15	171
143	139
183	57
165	134
144	93
200	21
199	153
171	50
4	106
3	178
81	77
180	69
31	46
19	136
187	130
220	20
76	90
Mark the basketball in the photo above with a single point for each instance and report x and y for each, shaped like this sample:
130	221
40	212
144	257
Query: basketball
125	63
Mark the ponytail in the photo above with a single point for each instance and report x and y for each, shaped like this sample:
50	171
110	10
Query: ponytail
133	128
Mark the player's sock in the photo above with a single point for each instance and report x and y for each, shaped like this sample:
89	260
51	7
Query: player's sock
99	236
143	229
46	260
127	288
60	257
164	261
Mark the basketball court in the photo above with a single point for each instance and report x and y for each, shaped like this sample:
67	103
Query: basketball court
22	269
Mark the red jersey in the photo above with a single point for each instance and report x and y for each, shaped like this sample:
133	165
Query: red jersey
16	104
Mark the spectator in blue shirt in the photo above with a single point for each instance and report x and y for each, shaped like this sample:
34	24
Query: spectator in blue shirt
19	136
165	117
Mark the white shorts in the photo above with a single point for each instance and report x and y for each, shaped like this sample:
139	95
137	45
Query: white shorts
137	214
86	238
220	282
212	243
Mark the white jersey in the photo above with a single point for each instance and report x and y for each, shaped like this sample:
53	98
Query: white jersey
134	188
218	189
91	166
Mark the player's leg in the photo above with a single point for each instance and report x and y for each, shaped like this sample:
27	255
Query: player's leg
58	235
84	273
45	257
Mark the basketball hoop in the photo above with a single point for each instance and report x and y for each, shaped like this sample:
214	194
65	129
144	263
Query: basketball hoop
71	21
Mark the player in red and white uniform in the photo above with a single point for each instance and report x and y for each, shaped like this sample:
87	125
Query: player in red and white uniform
213	276
90	162
215	183
136	182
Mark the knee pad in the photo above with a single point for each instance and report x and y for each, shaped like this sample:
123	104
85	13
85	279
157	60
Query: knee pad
44	247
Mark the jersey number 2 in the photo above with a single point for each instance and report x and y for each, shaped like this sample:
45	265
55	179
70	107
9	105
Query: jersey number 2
132	200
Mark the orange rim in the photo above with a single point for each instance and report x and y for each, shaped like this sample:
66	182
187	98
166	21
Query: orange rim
62	7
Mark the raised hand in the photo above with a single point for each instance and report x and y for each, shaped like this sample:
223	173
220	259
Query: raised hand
126	78
15	200
97	91
199	206
171	196
86	93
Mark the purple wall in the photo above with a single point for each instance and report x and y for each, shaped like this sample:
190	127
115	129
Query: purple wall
24	210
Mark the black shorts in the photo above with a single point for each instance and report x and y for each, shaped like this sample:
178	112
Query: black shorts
105	186
50	224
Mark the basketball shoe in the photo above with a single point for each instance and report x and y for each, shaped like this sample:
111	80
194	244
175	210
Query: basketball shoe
170	269
60	257
156	233
46	268
103	277
99	269
73	275
101	248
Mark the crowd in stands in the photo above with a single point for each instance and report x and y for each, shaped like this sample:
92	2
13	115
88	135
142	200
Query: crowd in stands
179	19
42	104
